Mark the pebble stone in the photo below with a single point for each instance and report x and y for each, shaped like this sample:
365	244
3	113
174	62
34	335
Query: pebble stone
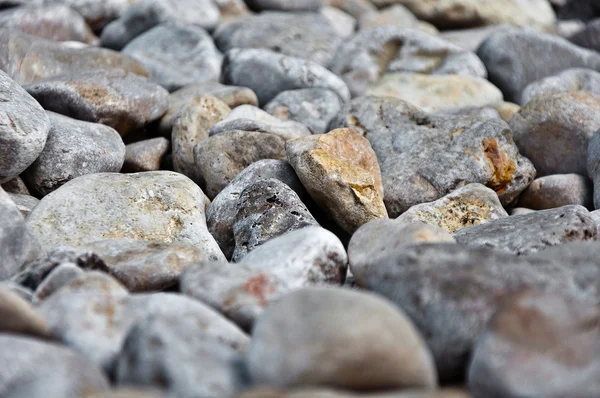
25	203
558	190
146	155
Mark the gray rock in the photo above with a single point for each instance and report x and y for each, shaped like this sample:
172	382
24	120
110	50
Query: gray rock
27	59
231	9
479	112
251	118
54	22
143	15
221	213
119	99
588	37
160	206
424	157
267	209
593	165
268	74
97	14
584	10
450	291
146	155
25	203
522	210
470	39
361	60
308	392
355	8
553	131
178	354
304	349
343	23
558	190
17	316
23	130
57	278
515	58
309	36
176	55
529	233
19	290
285	5
74	148
16	186
221	157
147	266
39	369
233	96
314	107
557	335
397	15
575	79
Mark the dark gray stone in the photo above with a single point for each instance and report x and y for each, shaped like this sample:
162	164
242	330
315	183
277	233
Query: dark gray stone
575	79
285	5
593	165
588	37
146	155
16	186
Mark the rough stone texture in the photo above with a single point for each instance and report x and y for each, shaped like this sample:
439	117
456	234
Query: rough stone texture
472	204
424	157
314	107
191	127
448	14
143	15
559	338
253	67
575	79
309	36
146	155
74	148
251	118
24	128
267	209
529	233
221	213
119	99
370	53
437	93
15	186
221	157
341	174
315	348
39	369
17	316
343	23
53	22
27	59
57	278
233	96
593	166
450	291
285	5
558	190
378	238
397	15
159	206
189	355
553	131
147	266
515	58
588	36
97	14
176	55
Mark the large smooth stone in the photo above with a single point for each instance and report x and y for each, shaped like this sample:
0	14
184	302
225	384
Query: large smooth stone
146	155
397	15
558	190
96	13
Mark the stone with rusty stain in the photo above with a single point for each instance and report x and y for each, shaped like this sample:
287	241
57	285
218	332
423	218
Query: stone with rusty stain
221	157
450	292
160	206
529	233
267	209
305	35
575	79
372	52
74	148
472	204
116	98
340	172
57	278
558	337
221	213
233	96
176	55
379	238
558	190
143	15
386	352
147	266
424	157
395	14
25	203
553	131
251	118
146	155
252	67
17	316
44	369
314	107
434	93
28	59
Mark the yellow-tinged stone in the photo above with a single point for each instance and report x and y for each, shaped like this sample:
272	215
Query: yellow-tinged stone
340	171
507	110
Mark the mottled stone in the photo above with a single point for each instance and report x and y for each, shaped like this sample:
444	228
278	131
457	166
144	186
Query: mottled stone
397	15
575	79
25	203
17	316
221	157
532	232
146	155
119	99
96	13
57	278
556	191
253	68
